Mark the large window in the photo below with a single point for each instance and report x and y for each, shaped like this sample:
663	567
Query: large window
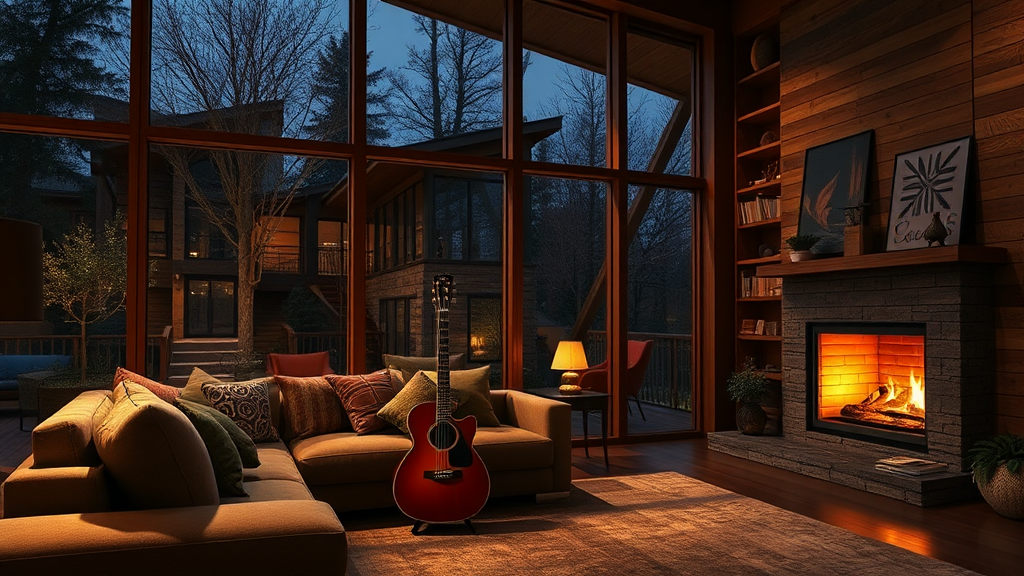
259	213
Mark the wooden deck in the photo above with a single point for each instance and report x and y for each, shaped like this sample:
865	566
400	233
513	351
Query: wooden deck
659	419
15	445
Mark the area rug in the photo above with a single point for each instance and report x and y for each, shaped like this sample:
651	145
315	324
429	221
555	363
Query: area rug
663	523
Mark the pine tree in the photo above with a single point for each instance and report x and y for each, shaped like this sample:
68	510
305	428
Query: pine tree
331	93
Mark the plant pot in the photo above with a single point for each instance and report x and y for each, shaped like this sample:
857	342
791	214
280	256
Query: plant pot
801	255
750	419
1005	493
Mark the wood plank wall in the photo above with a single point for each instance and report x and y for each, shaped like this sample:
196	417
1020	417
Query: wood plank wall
918	72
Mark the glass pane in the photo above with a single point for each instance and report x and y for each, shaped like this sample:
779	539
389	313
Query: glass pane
259	67
434	208
237	263
67	59
442	78
63	218
564	85
484	328
659	387
660	101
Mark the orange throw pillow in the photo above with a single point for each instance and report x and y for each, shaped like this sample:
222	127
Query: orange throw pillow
310	408
362	396
162	391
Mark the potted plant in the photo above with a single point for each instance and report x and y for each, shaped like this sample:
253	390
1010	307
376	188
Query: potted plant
800	246
747	387
998	466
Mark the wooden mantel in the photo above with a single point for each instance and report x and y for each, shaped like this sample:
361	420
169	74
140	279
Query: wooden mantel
937	255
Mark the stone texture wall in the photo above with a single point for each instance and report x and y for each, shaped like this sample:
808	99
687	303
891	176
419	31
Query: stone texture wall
955	303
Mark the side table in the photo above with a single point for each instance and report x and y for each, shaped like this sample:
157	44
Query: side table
586	401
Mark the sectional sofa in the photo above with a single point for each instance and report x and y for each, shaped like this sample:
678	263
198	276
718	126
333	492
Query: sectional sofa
61	511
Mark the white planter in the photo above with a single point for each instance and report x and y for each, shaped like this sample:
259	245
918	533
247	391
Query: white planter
801	255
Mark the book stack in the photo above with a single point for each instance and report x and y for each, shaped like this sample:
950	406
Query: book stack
761	208
754	287
909	466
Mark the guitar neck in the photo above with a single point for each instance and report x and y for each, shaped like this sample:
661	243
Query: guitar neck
444	396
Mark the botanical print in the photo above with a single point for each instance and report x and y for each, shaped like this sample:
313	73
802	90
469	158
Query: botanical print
835	178
928	196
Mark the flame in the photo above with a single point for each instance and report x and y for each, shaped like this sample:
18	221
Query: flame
916	391
892	390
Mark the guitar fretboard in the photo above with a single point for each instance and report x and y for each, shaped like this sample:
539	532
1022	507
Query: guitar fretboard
444	396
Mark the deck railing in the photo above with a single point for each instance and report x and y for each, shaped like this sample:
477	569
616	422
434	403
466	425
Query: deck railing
330	261
667	382
103	351
307	342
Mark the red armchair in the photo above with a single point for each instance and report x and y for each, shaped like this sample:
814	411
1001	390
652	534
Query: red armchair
299	365
638	356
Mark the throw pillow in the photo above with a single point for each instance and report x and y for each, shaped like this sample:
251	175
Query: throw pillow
247	403
410	365
418	390
193	391
475	388
162	391
227	464
243	443
310	408
152	452
362	396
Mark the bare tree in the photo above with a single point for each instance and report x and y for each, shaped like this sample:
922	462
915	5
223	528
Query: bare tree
450	87
245	67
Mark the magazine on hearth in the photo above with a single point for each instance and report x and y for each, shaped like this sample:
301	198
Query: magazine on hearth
909	466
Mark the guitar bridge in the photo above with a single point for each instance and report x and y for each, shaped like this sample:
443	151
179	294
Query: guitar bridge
442	475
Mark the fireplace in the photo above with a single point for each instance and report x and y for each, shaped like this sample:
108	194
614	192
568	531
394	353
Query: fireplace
867	381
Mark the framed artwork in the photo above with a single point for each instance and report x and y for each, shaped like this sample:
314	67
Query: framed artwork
928	188
835	178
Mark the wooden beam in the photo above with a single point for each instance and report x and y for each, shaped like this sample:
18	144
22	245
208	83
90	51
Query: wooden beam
513	213
616	238
355	338
662	154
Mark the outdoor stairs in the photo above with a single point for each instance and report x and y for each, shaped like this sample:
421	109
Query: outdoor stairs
329	293
212	355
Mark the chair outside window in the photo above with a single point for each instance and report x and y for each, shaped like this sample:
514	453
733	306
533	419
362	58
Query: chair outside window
638	356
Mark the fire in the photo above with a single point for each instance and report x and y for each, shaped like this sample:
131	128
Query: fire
916	397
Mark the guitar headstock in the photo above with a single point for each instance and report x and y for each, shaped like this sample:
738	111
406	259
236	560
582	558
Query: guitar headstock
443	292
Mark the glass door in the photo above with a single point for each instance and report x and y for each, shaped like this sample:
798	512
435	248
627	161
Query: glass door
211	308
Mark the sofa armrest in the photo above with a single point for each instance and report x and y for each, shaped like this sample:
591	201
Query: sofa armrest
549	418
42	491
276	537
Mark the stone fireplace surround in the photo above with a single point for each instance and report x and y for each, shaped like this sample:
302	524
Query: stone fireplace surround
953	298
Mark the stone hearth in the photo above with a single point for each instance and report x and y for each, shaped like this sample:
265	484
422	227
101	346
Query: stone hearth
954	302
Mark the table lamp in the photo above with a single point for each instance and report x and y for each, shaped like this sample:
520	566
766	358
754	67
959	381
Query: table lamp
569	356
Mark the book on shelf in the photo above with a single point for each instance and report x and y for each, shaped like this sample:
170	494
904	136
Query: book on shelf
759	328
771	328
747	326
910	466
758	209
755	287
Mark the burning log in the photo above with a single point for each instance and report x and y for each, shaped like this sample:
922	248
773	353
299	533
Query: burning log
886	408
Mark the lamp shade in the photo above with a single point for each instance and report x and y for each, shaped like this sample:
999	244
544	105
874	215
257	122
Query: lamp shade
569	356
21	260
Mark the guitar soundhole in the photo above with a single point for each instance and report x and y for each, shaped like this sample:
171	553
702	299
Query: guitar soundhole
443	435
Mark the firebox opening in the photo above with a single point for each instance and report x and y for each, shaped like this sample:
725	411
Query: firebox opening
868	381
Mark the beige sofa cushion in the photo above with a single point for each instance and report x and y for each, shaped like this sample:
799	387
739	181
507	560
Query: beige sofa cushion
270	490
33	491
276	464
153	452
346	457
65	439
510	448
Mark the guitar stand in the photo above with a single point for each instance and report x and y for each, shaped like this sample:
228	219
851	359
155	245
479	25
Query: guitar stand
416	528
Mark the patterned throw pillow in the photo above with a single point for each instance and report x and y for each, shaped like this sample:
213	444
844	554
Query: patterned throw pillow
416	391
410	365
162	391
310	408
362	396
247	403
475	388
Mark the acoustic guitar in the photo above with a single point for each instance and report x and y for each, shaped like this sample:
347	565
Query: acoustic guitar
441	478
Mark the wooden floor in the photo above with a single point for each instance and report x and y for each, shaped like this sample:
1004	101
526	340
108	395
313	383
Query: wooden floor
658	419
969	534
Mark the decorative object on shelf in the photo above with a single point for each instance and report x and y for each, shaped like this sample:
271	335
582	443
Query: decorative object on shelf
765	251
747	326
800	246
759	328
569	356
771	329
998	467
764	52
855	237
928	187
769	137
835	176
748	386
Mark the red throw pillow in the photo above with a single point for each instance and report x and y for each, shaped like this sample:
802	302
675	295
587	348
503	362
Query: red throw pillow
162	391
299	365
310	408
362	396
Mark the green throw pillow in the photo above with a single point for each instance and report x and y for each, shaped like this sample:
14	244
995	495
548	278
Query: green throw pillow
193	391
227	464
474	387
245	446
418	390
